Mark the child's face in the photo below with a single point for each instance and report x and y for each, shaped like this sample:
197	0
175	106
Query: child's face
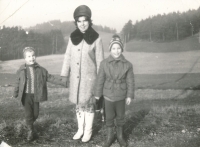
82	24
116	50
30	58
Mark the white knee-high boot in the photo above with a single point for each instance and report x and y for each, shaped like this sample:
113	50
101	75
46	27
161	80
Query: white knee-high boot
80	118
89	117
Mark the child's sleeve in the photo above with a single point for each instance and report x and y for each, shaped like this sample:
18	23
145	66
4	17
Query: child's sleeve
100	81
57	80
130	83
16	85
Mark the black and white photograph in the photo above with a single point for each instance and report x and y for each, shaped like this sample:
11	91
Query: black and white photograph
99	73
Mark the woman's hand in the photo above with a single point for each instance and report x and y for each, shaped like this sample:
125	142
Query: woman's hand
97	100
128	100
97	97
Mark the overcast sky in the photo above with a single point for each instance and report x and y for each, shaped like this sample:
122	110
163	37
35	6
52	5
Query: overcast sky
112	13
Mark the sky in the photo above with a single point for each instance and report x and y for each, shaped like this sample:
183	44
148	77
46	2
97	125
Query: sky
111	13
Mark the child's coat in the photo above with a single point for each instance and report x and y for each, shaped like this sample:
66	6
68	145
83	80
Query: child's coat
40	86
115	79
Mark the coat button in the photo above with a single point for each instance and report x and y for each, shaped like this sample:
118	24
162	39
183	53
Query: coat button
78	49
77	76
77	63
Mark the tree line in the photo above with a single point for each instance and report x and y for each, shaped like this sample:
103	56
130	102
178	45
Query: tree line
14	39
66	27
162	28
47	38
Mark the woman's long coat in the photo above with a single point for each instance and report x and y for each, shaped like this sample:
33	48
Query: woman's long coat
81	64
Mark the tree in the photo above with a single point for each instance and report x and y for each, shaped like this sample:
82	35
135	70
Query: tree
13	40
166	27
127	31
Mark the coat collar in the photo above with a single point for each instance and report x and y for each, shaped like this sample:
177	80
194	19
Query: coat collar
22	67
121	58
89	36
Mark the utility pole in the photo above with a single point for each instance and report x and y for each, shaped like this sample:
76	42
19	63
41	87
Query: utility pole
56	43
150	36
191	28
52	45
163	35
177	35
199	35
0	53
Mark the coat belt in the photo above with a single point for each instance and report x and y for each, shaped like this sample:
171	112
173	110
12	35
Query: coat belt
117	81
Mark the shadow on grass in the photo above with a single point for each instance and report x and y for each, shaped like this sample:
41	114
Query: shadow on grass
192	99
133	121
57	125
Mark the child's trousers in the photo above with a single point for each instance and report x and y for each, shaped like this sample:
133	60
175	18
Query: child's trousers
115	110
31	108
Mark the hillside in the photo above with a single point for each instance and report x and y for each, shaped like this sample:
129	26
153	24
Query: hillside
188	44
154	68
106	37
143	63
147	57
178	70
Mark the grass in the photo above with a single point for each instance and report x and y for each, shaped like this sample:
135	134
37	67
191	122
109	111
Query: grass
165	112
143	63
152	120
188	44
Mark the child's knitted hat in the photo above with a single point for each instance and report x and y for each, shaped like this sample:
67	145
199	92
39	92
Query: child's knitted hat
116	39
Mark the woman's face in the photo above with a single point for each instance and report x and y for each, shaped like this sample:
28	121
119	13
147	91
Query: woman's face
82	24
116	50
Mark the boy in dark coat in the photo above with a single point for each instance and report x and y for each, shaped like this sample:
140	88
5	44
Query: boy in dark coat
31	87
115	82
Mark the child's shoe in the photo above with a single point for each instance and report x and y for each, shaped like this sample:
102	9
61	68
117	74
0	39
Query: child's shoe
30	136
120	137
110	137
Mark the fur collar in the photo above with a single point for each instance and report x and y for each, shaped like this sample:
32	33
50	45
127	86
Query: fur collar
89	36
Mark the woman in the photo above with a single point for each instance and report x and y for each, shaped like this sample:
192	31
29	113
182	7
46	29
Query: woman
81	63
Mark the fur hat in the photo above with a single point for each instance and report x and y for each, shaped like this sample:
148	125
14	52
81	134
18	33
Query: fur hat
116	39
82	10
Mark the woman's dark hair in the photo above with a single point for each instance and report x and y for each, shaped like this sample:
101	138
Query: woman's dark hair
86	18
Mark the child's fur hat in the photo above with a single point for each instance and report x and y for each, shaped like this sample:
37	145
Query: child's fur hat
116	39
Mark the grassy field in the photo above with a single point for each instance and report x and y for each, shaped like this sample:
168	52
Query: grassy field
188	44
155	118
179	70
164	113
